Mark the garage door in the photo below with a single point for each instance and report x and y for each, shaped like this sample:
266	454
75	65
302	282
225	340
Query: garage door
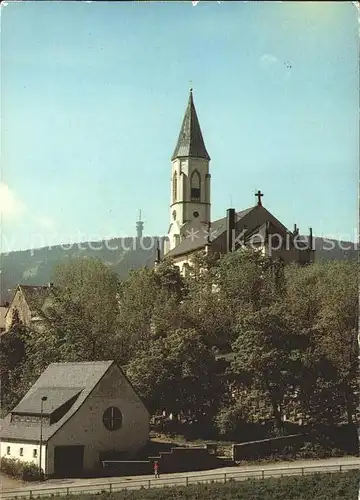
69	461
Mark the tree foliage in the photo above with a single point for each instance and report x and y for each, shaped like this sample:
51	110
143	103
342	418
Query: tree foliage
288	334
178	374
13	358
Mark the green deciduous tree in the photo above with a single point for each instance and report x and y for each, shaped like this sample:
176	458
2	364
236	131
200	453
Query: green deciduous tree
178	373
13	359
82	321
269	355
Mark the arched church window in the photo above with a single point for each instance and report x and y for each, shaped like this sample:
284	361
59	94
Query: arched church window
175	187
195	186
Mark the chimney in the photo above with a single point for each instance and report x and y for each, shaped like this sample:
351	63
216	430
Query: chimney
50	285
296	231
267	227
208	239
311	239
230	229
157	255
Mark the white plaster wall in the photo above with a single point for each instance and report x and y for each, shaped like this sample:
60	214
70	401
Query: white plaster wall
20	304
181	261
28	449
86	428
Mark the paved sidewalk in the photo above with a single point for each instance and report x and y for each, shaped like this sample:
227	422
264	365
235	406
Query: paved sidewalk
8	483
135	482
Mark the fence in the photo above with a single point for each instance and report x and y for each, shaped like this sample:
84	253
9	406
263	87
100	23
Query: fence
255	449
178	480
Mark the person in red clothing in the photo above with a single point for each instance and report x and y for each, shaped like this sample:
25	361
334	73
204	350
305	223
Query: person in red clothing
156	469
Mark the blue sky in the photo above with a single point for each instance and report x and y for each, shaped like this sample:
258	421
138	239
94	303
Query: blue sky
93	95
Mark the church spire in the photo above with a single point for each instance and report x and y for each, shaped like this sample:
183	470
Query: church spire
190	142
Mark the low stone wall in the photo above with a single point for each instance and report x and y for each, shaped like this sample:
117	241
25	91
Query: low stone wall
125	468
177	459
185	459
253	450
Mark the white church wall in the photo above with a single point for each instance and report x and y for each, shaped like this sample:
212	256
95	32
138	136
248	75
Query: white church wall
86	428
25	452
181	262
182	207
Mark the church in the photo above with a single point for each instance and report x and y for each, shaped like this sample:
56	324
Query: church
75	416
191	229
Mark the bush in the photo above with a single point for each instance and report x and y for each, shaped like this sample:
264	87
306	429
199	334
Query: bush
28	471
11	466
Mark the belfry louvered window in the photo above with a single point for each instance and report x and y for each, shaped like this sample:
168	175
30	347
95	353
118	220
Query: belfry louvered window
195	183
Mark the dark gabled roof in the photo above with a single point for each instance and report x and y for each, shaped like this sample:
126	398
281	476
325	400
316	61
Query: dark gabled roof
263	230
56	398
35	295
259	231
57	377
196	234
190	141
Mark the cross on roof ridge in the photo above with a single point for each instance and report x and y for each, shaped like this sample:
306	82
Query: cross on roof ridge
259	195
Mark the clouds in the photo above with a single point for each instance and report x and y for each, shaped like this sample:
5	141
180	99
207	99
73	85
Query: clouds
46	222
268	60
11	207
275	68
14	210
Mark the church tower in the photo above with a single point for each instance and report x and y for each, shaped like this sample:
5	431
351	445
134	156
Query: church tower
190	177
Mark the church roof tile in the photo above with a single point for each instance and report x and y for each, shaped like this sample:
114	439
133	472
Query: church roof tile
190	141
58	382
196	234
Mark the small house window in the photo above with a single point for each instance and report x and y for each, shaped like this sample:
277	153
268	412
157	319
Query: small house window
8	450
34	453
21	453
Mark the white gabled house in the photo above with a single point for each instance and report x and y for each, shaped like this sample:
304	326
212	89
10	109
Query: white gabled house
90	409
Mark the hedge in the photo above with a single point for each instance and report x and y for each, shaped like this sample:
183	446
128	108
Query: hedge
339	486
27	471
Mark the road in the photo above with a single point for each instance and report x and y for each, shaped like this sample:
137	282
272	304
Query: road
54	486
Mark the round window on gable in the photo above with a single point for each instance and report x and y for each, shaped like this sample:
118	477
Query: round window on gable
196	214
112	418
275	242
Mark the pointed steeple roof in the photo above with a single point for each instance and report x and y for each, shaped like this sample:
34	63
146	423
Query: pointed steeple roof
190	141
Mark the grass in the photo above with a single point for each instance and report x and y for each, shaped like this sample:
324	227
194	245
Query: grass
337	486
223	447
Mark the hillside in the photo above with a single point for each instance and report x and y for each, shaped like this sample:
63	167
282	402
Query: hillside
35	267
